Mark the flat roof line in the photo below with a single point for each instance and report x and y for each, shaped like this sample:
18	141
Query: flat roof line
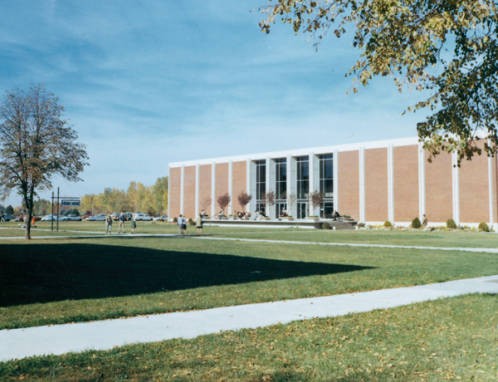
304	151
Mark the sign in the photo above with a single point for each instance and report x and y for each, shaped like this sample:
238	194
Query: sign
70	202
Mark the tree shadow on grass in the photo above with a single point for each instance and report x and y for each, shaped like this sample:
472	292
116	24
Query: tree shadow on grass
54	272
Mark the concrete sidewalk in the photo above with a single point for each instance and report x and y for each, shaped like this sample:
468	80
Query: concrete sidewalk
103	335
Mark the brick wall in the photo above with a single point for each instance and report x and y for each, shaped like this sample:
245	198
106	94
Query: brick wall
376	195
405	179
348	187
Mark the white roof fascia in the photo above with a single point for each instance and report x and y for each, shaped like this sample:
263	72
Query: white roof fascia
301	152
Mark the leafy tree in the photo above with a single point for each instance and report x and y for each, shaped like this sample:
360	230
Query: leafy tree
9	210
448	49
160	194
42	207
35	144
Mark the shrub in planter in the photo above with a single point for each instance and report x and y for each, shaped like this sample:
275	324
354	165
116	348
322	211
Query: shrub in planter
190	221
318	225
483	227
450	223
388	224
326	225
416	223
175	220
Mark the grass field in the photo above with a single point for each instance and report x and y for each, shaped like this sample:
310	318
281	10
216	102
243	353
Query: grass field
75	279
444	340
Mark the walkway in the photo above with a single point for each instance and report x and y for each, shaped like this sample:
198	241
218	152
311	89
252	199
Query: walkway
103	335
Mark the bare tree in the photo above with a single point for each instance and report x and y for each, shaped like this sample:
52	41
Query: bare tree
316	198
224	201
244	199
270	198
35	144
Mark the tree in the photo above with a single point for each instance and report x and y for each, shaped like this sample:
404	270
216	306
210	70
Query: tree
35	144
160	194
224	201
446	48
316	198
244	198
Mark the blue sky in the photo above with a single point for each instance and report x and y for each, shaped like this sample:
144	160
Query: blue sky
146	83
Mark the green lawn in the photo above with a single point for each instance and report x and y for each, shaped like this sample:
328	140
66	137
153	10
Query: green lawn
444	340
55	281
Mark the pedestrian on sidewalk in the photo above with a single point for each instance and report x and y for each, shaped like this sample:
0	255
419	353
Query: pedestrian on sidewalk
108	224
133	224
122	219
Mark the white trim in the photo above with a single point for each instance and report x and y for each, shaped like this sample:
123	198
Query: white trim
230	187
361	183
336	180
390	184
213	189
304	151
455	179
182	189
421	181
196	191
491	191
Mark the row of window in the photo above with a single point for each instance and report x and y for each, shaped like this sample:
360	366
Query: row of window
326	188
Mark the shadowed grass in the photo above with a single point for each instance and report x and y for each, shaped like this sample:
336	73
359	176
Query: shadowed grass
200	274
444	340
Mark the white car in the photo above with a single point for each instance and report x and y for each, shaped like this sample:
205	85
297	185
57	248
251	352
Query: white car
48	218
96	218
139	216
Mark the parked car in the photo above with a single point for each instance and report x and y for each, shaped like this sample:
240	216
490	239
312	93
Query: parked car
96	218
162	218
6	217
72	218
139	216
48	218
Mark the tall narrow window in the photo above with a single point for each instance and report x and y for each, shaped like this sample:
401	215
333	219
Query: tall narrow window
302	186
260	186
280	187
327	185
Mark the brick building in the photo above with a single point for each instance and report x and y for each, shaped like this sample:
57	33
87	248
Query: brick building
371	181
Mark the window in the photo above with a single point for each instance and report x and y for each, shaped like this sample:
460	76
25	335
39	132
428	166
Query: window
280	187
327	185
302	186
260	185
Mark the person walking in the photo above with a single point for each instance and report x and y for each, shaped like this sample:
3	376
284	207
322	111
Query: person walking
199	223
122	219
182	224
108	224
133	224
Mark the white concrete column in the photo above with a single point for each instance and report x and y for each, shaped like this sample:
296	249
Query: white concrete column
421	181
230	187
361	182
455	179
390	184
196	190
336	180
182	178
314	182
491	191
291	186
213	190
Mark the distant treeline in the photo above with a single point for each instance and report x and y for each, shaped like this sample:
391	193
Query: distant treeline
137	198
152	200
